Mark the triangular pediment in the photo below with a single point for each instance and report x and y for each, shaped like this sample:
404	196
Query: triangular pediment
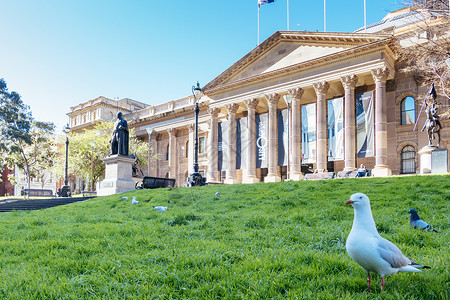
286	49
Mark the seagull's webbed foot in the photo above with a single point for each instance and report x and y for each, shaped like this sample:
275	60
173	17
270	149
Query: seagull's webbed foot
382	283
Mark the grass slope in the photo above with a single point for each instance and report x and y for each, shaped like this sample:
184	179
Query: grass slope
282	241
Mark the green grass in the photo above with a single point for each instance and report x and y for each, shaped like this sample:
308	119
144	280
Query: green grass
260	241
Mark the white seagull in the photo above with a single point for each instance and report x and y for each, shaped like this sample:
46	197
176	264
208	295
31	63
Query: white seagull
369	250
133	200
160	208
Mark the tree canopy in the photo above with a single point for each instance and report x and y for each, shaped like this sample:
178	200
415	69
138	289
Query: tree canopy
88	148
24	142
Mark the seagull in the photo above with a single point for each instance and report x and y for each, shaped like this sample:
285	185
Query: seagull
161	208
369	250
417	222
217	194
124	198
133	200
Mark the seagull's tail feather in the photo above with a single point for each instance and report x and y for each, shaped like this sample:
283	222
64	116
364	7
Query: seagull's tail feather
409	268
420	266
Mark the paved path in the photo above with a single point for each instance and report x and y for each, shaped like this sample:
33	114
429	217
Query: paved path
34	204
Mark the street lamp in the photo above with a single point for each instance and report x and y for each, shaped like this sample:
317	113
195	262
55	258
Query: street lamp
92	165
65	190
196	178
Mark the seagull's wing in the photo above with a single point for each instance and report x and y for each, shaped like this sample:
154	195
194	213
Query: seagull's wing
390	253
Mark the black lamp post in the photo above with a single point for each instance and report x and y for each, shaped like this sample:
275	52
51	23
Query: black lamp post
65	190
196	178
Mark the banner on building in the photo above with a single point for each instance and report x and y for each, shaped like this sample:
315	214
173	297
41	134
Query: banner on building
283	139
365	124
222	139
261	140
335	129
241	143
309	133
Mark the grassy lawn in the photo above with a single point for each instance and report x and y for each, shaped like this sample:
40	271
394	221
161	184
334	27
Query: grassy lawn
260	241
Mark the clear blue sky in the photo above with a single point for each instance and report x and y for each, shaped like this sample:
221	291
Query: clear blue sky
59	53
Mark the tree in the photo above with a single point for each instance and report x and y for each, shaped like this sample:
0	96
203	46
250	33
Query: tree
430	47
25	142
82	155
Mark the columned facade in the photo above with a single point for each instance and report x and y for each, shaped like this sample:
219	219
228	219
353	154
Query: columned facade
349	83
380	76
172	152
231	165
296	160
250	173
272	163
212	148
344	96
321	89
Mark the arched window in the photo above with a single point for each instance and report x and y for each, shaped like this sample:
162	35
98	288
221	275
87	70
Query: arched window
167	152
408	111
408	160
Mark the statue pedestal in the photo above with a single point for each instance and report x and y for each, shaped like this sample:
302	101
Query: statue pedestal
118	175
425	159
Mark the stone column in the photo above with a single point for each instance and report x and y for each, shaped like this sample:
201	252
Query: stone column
250	172
231	165
272	162
212	149
321	89
172	153
381	167
296	141
191	128
153	145
349	83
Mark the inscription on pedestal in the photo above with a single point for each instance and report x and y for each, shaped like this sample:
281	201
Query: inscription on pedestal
439	161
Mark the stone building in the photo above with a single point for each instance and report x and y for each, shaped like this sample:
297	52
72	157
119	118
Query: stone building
84	115
301	101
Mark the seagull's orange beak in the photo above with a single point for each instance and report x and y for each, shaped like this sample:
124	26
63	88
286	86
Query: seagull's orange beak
349	202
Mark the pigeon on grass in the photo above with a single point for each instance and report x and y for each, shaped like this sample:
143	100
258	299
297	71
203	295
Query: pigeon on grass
369	250
417	222
124	198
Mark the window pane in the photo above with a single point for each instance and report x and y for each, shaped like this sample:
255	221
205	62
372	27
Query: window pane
408	111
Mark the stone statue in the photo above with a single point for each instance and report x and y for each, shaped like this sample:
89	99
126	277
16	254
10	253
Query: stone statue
120	137
432	123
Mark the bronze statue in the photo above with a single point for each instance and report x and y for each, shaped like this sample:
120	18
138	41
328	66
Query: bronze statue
432	123
120	138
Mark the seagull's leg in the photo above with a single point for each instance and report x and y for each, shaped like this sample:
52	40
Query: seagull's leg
369	280
382	283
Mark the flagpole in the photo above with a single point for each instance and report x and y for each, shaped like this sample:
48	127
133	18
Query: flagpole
324	15
288	15
258	23
365	17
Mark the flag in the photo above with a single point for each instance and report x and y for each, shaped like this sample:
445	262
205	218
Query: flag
432	91
261	2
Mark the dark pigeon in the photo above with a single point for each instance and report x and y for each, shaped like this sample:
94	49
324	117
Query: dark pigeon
416	222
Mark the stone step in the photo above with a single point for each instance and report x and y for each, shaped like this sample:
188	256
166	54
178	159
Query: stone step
36	204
